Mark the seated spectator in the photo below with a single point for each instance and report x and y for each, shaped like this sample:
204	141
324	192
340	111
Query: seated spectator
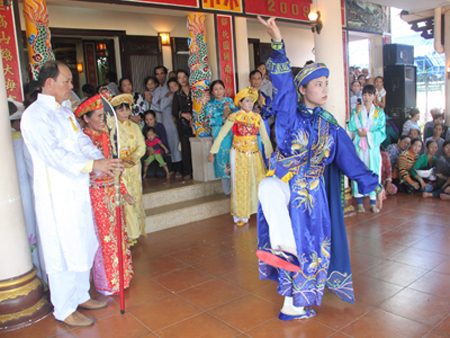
394	150
425	162
402	173
140	106
380	101
443	167
437	119
414	133
437	132
355	94
430	124
391	133
150	122
411	123
362	79
386	174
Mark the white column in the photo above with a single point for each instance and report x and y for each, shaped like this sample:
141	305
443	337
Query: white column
376	56
15	257
329	50
447	64
211	44
242	57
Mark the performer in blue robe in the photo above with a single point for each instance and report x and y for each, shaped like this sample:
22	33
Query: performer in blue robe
302	241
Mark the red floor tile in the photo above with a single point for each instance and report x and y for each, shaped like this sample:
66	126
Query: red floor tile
297	329
202	280
201	326
165	312
337	314
212	294
434	283
117	326
158	266
379	248
182	279
46	327
396	273
420	258
437	334
430	310
373	291
246	313
445	325
378	324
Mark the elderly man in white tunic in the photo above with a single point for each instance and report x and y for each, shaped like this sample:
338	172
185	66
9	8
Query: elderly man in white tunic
62	158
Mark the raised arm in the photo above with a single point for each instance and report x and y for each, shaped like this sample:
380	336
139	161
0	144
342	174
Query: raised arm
284	103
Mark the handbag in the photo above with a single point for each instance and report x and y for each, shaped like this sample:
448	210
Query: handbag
186	129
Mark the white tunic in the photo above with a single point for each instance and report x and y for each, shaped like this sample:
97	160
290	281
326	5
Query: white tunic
60	151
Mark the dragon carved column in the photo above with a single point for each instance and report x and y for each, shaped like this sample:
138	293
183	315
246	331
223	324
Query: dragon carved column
199	69
38	35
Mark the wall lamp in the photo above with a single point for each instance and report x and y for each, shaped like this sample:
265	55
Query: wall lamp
315	21
80	67
165	38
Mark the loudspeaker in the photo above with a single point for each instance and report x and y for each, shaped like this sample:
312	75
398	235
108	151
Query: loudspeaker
398	116
400	85
396	54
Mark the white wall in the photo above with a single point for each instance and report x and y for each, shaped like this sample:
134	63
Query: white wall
298	38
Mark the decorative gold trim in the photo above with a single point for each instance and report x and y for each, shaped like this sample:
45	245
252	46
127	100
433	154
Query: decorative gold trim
20	291
28	276
27	312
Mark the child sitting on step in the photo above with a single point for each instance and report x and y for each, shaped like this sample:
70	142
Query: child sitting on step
154	146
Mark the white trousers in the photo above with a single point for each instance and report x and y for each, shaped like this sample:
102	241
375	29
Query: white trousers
274	196
68	289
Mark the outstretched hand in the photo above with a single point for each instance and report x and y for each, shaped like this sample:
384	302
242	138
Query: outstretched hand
272	28
380	198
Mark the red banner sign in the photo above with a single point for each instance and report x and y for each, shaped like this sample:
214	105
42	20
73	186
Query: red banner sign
181	3
10	57
286	9
226	52
90	59
223	5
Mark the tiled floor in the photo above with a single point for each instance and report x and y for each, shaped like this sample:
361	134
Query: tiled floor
201	280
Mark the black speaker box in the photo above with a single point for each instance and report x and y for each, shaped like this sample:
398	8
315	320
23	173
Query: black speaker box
400	84
396	54
398	116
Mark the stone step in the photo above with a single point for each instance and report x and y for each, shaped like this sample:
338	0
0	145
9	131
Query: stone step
192	210
178	192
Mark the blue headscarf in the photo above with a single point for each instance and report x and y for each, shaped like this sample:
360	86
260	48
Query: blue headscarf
311	72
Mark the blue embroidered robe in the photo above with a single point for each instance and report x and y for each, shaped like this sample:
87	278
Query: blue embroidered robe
316	190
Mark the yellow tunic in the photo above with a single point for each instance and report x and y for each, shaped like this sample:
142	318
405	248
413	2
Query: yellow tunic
249	165
132	146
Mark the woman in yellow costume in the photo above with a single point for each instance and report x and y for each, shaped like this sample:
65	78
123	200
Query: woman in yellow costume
132	148
247	164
